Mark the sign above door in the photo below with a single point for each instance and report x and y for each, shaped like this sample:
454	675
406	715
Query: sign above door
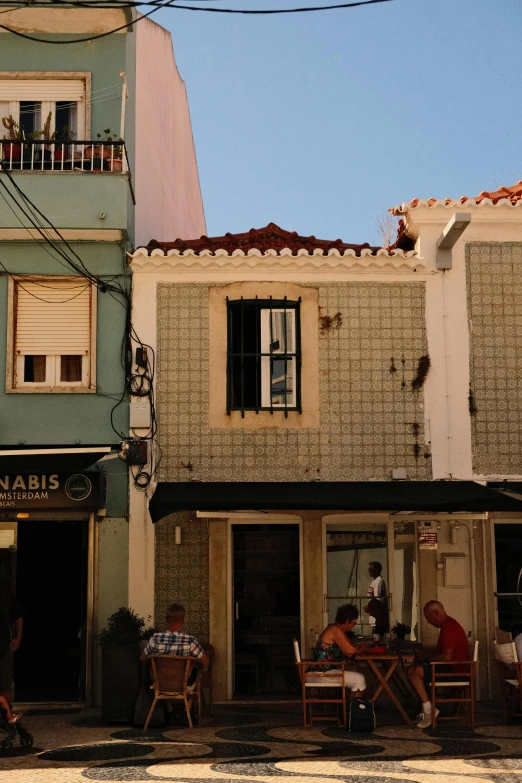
25	491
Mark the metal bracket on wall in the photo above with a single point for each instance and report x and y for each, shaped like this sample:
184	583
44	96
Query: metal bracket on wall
451	233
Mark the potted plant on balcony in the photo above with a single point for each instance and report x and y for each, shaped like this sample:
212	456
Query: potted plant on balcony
104	150
62	139
12	148
120	645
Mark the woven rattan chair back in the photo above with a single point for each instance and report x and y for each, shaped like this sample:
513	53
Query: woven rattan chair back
170	673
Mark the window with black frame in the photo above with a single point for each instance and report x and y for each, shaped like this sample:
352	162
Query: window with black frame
264	355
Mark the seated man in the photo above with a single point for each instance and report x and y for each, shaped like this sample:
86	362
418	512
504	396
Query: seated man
174	642
451	646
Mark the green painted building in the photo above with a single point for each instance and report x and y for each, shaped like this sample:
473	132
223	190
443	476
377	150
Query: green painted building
73	201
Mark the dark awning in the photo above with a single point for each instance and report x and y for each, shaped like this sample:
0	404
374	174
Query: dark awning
421	496
51	459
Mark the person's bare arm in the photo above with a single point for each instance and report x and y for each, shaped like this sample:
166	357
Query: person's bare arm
143	656
204	660
15	643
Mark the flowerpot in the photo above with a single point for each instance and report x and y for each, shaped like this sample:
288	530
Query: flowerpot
12	151
116	164
120	682
91	152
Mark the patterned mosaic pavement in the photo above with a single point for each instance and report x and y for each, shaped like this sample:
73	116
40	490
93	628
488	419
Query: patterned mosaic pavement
262	744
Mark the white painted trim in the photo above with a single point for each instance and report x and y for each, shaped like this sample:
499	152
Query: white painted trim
283	263
91	235
24	452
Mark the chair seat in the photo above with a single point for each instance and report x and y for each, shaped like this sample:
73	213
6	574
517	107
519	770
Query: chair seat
514	683
323	682
452	684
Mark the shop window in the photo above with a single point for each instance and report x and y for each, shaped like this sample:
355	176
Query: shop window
264	355
53	334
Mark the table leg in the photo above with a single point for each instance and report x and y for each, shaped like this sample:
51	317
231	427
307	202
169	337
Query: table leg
384	685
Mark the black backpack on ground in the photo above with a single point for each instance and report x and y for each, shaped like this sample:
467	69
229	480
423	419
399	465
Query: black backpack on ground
361	716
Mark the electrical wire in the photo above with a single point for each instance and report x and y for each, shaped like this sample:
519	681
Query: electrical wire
174	4
140	383
100	35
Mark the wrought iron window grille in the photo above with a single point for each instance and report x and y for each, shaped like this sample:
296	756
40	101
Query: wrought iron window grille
263	355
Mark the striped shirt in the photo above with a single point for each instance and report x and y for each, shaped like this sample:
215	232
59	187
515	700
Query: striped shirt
174	643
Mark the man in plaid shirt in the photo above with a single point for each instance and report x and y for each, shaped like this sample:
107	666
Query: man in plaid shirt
173	641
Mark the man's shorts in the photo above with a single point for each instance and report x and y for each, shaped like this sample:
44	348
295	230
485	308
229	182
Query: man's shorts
6	671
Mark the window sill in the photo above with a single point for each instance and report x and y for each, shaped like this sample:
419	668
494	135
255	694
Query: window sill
51	390
265	420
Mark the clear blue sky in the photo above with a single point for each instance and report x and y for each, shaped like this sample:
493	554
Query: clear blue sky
320	122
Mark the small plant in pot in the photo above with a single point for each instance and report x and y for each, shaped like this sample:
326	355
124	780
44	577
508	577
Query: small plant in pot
106	150
12	144
120	645
401	630
62	139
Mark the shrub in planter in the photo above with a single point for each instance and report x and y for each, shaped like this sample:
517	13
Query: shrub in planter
120	645
401	630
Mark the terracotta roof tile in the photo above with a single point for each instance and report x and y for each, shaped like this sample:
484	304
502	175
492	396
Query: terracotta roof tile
271	237
511	193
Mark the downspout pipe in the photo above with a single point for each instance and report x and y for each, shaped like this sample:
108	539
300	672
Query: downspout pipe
469	525
484	530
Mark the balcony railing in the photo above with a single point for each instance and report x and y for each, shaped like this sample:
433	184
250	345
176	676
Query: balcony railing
109	156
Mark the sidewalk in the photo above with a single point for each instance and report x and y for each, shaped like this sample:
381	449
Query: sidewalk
262	743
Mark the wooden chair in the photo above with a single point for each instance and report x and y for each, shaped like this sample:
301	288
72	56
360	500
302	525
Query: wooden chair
315	685
207	678
170	674
463	683
510	673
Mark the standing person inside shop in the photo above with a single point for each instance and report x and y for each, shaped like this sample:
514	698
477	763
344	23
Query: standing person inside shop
11	625
376	590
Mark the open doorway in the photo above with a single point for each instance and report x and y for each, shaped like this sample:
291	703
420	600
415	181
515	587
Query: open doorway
266	595
51	585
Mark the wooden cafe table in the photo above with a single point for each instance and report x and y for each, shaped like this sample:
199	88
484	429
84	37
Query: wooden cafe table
383	666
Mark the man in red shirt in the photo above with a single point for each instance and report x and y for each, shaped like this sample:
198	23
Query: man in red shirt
451	646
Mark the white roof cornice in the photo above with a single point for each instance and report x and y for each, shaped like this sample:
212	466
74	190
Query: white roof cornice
272	261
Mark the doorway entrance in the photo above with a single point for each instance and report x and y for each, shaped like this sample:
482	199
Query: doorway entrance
51	585
508	561
266	601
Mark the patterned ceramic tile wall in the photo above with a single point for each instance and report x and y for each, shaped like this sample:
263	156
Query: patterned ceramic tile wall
181	571
371	419
495	308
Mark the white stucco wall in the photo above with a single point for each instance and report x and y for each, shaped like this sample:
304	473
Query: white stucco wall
168	194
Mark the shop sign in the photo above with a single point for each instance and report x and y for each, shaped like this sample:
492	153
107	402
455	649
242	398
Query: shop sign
428	539
52	490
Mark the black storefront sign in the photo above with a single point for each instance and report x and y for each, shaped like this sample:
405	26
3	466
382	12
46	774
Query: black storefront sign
38	491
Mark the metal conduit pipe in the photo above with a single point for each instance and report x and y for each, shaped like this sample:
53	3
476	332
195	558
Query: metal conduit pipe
469	525
486	607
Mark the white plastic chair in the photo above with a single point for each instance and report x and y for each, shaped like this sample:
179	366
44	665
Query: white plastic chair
510	673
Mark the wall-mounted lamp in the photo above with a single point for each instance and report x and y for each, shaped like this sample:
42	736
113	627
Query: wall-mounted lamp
177	534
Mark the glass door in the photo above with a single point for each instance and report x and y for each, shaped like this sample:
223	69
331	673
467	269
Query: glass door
357	570
266	595
508	562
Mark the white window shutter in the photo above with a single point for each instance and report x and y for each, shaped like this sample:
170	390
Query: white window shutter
53	317
42	90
